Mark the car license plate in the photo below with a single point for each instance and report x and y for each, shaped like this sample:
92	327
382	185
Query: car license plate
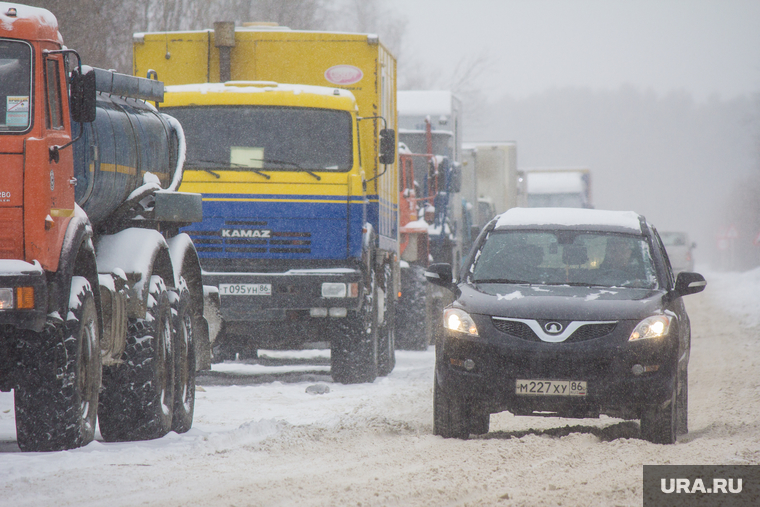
550	387
245	289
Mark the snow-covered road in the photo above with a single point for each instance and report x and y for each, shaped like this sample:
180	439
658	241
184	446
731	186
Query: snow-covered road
274	443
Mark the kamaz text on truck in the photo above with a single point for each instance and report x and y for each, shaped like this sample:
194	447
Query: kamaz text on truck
299	185
100	313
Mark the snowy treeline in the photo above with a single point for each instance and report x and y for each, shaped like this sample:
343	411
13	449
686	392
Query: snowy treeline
101	30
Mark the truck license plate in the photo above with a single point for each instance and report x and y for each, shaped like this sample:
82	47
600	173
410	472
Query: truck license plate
550	387
245	289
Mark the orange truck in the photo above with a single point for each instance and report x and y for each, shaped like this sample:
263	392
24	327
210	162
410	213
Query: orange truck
101	299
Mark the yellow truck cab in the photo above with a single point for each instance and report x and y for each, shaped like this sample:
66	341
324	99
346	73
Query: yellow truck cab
299	185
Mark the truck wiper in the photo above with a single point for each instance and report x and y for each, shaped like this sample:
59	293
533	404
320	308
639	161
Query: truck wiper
288	163
203	165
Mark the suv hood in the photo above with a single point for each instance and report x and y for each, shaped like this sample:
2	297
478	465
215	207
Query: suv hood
559	302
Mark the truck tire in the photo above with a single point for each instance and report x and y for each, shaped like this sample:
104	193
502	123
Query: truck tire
412	330
56	403
184	332
386	332
658	424
449	414
138	395
353	351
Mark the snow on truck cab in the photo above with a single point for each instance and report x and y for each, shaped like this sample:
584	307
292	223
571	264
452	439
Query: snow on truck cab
100	313
299	185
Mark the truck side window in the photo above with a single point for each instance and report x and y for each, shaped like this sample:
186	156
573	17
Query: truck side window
53	113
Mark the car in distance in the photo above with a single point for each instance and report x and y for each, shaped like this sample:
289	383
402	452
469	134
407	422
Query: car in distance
680	250
564	312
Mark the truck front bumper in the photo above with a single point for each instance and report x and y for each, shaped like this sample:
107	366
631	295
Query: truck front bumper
267	297
23	295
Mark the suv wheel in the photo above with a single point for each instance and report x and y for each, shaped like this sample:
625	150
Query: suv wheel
449	414
658	423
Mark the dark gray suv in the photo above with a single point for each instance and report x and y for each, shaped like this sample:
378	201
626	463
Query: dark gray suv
565	312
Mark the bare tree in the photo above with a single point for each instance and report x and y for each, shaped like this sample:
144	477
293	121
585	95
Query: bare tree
370	16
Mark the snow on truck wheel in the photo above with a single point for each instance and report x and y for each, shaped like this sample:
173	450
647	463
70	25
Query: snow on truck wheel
184	358
137	401
56	402
354	351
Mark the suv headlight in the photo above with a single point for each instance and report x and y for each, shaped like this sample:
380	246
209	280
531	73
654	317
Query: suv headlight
460	321
656	326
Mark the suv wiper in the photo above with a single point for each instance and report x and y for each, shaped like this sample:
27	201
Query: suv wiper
502	280
206	165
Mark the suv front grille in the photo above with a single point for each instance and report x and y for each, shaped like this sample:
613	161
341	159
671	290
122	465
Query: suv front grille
517	329
591	332
523	331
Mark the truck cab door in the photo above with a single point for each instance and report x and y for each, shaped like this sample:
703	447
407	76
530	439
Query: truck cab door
49	194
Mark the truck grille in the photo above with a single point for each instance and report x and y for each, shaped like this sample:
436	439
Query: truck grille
275	242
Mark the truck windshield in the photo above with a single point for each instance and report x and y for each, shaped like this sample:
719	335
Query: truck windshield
266	138
15	85
565	258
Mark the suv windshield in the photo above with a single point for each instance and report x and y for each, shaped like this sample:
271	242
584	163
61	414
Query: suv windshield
275	138
15	85
565	258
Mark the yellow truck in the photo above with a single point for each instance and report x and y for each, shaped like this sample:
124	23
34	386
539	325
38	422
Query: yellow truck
291	142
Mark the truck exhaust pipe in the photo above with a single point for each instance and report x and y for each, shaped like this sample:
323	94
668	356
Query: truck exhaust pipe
224	39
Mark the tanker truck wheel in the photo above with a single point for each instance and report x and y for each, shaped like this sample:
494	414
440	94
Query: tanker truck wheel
137	401
184	359
56	403
353	351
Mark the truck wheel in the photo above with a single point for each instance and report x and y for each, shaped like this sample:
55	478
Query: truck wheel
184	359
138	395
56	403
411	314
682	404
449	414
658	424
386	333
354	351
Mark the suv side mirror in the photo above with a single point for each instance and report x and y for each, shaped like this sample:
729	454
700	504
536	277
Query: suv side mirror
387	146
441	275
689	283
83	96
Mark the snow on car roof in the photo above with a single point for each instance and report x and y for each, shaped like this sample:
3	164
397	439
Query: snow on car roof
570	217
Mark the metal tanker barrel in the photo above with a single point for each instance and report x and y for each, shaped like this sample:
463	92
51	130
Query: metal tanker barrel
127	139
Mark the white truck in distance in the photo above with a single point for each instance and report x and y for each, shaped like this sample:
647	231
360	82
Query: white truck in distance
559	187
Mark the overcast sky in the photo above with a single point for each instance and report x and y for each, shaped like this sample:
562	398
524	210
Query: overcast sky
701	46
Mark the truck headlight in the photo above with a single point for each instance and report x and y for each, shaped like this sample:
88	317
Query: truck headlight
460	321
333	290
656	326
